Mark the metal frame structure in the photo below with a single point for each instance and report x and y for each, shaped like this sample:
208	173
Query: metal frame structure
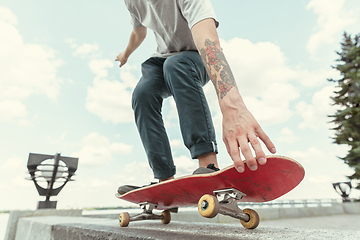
35	165
343	189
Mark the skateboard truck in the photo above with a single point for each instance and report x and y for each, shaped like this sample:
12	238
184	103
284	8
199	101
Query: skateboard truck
225	202
228	206
147	214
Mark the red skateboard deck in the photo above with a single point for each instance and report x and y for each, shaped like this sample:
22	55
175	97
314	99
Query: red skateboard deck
272	180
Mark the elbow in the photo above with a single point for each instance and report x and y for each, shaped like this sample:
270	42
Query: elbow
140	33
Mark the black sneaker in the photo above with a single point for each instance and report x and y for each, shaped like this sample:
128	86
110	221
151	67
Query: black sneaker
128	188
209	169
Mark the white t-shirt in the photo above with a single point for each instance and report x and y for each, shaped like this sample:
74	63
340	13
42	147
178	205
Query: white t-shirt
171	21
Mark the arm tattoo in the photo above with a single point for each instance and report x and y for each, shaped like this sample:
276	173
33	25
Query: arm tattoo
218	68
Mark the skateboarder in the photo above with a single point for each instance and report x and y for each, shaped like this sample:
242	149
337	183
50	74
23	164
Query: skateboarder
188	55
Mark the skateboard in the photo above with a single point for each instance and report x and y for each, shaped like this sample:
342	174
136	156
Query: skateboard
217	192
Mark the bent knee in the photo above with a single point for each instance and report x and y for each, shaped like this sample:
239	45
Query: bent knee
178	62
144	97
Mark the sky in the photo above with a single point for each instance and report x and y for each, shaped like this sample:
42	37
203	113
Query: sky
62	92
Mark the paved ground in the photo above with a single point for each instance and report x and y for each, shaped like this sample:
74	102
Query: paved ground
78	228
346	221
180	230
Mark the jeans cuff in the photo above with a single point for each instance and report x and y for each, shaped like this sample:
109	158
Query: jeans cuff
164	174
203	148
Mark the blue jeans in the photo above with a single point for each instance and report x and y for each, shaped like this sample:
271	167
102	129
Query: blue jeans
181	76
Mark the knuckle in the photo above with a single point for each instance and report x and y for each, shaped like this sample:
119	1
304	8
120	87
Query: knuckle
245	148
233	152
254	141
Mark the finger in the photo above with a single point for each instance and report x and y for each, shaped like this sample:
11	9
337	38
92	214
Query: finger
259	153
268	143
226	145
234	152
245	149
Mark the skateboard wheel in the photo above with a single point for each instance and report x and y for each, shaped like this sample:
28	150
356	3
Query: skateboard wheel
253	221
166	217
208	206
124	219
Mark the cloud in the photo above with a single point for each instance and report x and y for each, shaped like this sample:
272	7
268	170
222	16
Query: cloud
287	136
14	163
11	110
263	78
332	19
98	150
110	99
311	154
171	118
26	69
316	78
127	76
85	50
320	179
107	98
94	183
137	173
322	168
274	105
7	16
13	173
185	165
315	114
57	140
99	67
176	143
121	148
256	66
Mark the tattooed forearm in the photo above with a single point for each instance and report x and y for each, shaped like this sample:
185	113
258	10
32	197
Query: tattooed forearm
218	69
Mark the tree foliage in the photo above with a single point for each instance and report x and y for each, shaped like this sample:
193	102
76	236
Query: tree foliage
347	98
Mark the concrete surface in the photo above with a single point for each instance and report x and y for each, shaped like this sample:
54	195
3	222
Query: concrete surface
265	213
76	228
14	217
341	222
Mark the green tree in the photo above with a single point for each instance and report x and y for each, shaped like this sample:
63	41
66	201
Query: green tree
347	98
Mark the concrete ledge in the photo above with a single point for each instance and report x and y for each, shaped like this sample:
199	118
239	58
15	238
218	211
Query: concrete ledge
35	225
352	208
14	217
265	213
76	228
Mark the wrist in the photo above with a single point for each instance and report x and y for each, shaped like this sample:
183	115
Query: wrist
232	101
127	53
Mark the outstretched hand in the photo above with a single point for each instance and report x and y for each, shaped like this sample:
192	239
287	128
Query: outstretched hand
241	132
121	58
